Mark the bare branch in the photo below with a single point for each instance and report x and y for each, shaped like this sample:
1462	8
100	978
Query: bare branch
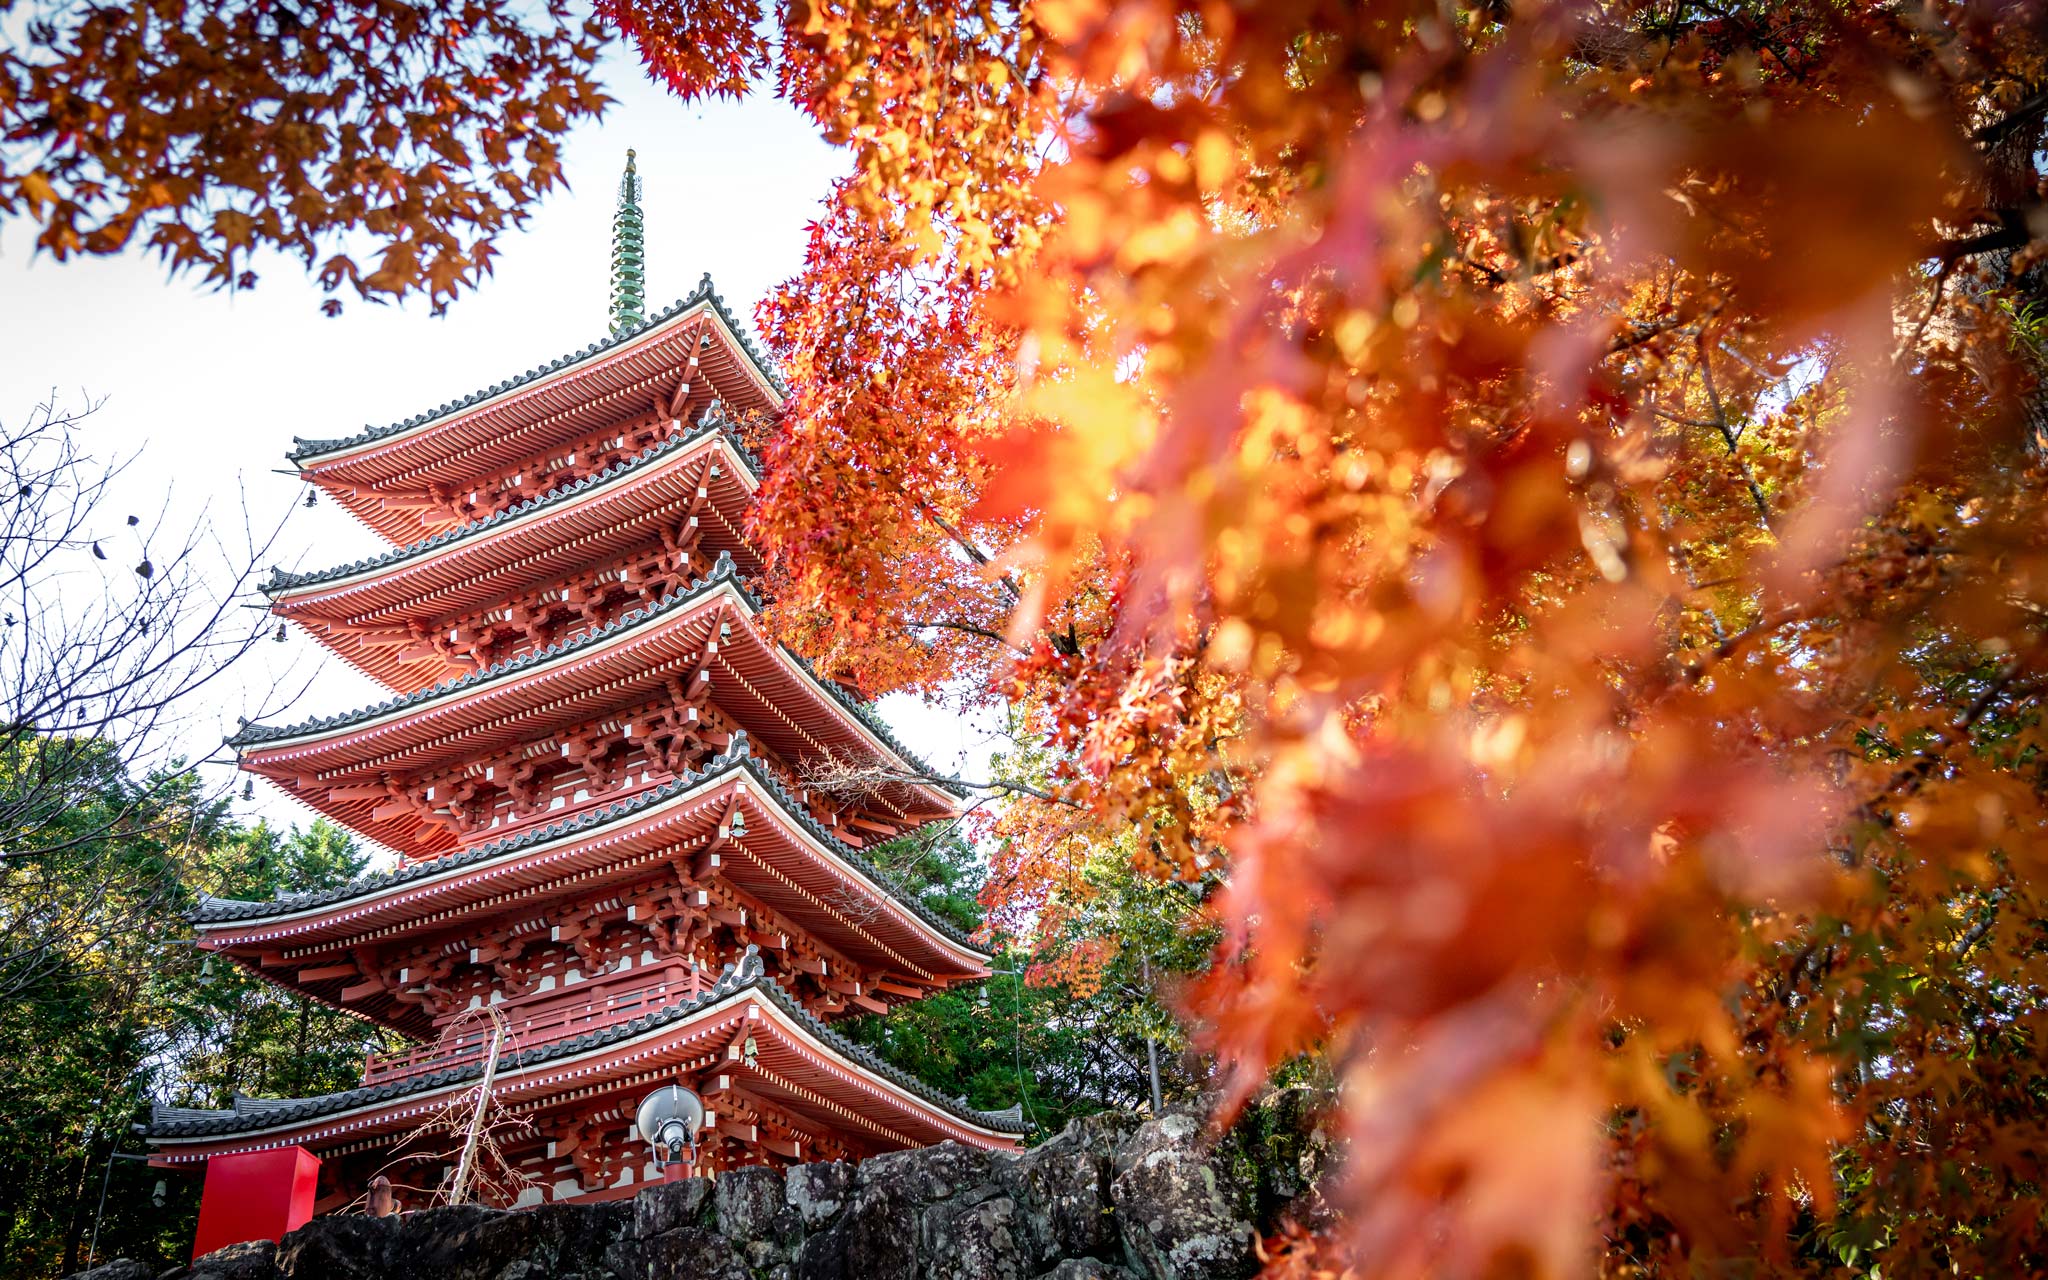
107	631
1731	436
852	778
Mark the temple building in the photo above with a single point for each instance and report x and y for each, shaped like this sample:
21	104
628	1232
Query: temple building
597	771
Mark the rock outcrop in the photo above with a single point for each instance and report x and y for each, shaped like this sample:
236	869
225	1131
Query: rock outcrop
1106	1199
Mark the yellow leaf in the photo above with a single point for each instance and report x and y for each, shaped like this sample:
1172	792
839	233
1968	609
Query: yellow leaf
38	189
1214	159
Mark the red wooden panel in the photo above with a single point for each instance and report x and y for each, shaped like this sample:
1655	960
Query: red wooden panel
258	1195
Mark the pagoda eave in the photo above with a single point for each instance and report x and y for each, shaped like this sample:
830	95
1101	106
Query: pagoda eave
708	634
775	855
796	1065
497	427
381	615
635	490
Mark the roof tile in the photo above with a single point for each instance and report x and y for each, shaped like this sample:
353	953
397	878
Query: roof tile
723	569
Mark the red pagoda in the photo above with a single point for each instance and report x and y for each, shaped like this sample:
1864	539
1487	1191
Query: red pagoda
593	769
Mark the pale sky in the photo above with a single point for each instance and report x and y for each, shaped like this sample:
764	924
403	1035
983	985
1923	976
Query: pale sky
209	388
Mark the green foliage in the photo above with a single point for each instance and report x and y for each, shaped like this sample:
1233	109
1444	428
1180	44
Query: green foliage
1061	1030
941	873
245	1035
121	1013
86	848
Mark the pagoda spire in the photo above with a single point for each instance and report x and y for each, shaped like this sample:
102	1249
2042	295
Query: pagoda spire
629	255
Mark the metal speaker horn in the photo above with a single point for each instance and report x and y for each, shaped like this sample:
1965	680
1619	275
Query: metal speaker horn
669	1119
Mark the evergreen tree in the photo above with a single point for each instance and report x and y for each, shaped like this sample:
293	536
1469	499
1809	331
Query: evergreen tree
125	1013
1074	1016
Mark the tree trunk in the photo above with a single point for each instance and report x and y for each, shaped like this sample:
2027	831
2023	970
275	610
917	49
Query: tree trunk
74	1229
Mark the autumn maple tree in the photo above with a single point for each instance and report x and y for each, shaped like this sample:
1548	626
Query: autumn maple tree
381	142
1550	497
1545	500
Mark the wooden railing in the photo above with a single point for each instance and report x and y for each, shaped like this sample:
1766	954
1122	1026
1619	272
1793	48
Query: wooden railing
553	1017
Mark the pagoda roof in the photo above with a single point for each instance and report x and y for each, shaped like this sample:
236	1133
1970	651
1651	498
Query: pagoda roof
560	685
284	581
397	479
484	880
308	451
585	1060
466	568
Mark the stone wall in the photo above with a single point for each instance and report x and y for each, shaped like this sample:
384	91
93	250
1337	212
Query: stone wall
1107	1199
